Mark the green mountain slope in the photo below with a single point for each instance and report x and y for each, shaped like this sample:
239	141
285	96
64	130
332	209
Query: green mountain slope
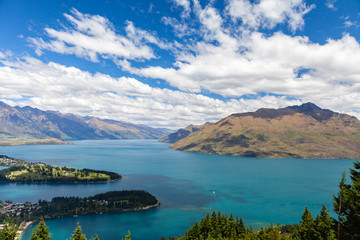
305	131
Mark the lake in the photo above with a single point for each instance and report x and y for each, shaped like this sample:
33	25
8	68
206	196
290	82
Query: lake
188	185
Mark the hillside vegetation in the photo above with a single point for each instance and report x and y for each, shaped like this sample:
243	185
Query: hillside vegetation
20	171
305	131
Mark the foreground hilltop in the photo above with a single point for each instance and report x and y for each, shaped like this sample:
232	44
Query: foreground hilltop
27	123
305	131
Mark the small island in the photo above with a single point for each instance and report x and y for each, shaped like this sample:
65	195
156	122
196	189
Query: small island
20	171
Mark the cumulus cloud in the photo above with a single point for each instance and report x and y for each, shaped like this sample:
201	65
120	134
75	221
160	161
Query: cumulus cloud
269	13
251	63
231	58
270	64
92	35
71	90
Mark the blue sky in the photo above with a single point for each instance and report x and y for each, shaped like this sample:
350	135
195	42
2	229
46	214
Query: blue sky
173	63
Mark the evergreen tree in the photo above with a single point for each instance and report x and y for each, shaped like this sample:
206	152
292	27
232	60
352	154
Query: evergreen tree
196	231
338	203
274	234
261	235
324	225
205	226
41	231
128	237
8	232
347	206
240	227
307	226
78	235
95	238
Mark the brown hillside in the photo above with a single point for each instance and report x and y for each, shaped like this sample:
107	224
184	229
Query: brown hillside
305	131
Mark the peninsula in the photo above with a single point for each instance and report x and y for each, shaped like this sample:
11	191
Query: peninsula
109	202
20	141
20	171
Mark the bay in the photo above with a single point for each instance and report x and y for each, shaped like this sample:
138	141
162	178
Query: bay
188	185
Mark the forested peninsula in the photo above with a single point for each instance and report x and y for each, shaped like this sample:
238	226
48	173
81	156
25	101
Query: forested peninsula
114	201
20	171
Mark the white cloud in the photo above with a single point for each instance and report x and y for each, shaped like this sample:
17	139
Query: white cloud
270	65
181	29
93	35
331	4
185	4
269	13
51	86
221	59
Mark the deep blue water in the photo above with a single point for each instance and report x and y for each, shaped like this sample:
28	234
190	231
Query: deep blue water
188	185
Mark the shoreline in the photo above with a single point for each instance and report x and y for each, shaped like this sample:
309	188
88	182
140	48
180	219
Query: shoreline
46	141
21	232
142	209
28	224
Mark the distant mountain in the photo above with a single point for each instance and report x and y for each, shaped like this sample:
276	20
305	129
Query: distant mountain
24	123
305	131
180	134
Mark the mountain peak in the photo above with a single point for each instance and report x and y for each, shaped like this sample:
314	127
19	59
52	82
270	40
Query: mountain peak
314	111
4	105
303	131
309	109
32	123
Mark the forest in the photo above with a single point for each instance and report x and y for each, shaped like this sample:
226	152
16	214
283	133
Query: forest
114	201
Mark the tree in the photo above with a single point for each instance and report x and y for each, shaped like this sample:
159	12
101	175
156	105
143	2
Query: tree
307	226
95	238
8	232
128	237
78	235
324	225
41	231
347	206
338	204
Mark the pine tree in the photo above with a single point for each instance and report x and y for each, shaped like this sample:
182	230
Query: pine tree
95	238
196	231
261	235
78	235
307	226
338	203
347	206
240	227
324	225
128	237
41	231
8	232
274	234
205	226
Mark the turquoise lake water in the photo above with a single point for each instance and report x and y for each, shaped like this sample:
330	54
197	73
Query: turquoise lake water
188	185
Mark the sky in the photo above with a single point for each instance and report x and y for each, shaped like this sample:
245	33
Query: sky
172	63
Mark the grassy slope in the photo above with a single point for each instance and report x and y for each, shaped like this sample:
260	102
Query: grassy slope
297	135
27	172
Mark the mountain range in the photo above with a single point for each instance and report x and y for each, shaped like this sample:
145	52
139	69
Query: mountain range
27	123
305	131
